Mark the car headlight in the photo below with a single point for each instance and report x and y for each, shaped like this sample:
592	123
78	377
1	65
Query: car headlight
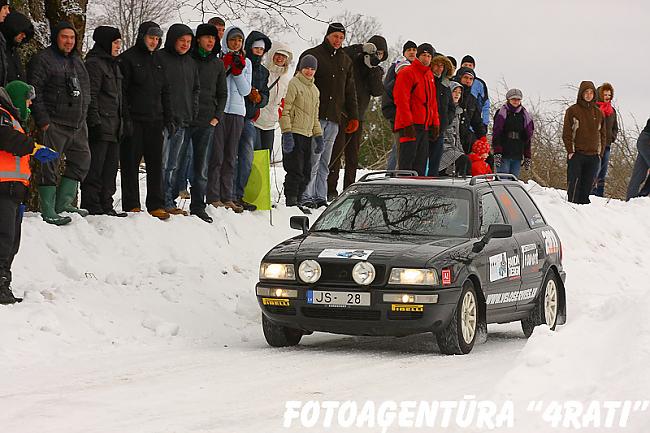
277	271
363	273
309	271
414	277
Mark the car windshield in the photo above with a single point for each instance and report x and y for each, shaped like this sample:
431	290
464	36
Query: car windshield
411	210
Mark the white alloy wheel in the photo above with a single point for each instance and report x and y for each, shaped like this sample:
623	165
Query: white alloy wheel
468	317
550	302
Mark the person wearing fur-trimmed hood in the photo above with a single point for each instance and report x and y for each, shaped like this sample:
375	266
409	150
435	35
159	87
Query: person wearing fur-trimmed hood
278	61
443	70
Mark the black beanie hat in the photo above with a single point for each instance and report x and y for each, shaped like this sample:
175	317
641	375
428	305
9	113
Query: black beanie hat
426	48
408	45
104	37
207	30
468	59
335	27
4	3
453	61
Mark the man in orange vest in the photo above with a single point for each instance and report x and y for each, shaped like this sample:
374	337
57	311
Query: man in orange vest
15	150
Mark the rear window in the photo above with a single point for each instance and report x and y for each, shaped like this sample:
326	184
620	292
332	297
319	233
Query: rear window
531	212
514	214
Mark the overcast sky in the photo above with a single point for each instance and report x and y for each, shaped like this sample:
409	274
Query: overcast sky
539	46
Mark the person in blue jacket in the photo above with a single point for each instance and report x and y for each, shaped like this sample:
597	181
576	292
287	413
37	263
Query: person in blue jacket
479	90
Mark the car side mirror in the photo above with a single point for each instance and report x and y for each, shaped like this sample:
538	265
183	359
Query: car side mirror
495	231
299	223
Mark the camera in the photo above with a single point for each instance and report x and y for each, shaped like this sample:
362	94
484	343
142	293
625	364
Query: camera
74	86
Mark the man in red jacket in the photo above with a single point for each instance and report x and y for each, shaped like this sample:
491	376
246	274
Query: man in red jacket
416	118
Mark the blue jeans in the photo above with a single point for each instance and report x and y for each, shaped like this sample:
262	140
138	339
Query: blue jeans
245	157
641	167
200	140
435	154
391	164
599	189
512	166
174	150
320	165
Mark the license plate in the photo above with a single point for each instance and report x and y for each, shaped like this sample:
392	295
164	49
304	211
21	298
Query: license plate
338	299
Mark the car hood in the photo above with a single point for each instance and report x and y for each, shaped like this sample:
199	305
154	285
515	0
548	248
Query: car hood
395	250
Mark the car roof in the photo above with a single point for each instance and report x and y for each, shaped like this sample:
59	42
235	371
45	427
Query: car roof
407	178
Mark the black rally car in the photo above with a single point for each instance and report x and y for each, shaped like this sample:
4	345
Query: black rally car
396	254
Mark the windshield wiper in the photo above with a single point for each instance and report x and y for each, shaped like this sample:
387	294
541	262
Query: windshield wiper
333	230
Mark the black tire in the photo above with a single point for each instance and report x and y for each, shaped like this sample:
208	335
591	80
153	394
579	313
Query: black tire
544	305
452	340
280	336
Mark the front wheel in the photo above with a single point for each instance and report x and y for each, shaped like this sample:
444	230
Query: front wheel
459	336
280	336
546	308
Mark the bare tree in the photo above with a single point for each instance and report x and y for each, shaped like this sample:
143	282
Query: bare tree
269	24
127	15
358	27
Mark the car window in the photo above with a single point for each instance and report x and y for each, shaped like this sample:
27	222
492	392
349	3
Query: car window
430	211
514	215
490	212
531	212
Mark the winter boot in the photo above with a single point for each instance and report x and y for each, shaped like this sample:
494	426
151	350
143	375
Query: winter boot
47	196
6	295
65	195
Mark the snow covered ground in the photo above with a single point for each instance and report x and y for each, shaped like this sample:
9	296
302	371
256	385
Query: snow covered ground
138	325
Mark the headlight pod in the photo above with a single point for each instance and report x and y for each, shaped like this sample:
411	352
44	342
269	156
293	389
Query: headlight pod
363	273
309	271
277	271
413	277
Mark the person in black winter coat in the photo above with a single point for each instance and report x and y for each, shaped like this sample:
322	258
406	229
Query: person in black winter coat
212	100
256	45
147	107
471	124
368	82
17	29
104	122
4	12
62	88
443	70
183	76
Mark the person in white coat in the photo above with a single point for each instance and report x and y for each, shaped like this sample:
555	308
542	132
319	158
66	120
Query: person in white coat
277	62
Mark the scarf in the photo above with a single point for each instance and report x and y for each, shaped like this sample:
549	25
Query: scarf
606	108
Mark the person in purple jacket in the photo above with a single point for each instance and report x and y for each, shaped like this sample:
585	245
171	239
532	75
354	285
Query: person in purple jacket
512	135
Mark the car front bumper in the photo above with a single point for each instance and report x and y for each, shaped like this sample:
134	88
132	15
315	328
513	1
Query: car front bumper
379	319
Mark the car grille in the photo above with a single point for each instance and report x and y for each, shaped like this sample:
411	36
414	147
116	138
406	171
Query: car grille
411	315
340	313
341	274
287	311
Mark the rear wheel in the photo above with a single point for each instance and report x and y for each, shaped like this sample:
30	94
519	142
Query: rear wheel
546	308
459	336
280	336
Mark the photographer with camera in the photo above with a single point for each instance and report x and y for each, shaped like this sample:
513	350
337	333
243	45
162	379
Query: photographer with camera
62	97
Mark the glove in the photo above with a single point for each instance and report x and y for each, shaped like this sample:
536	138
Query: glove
254	96
434	131
95	132
287	142
320	144
497	160
44	154
527	163
407	134
352	126
238	64
171	128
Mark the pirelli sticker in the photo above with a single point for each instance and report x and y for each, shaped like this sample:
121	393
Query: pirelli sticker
275	302
407	308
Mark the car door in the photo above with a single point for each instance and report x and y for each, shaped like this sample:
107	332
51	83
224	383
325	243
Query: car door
499	263
533	261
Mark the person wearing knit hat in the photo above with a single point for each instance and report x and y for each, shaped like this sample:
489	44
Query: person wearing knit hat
472	125
338	107
480	152
454	161
104	121
18	30
416	117
512	135
301	130
409	53
16	148
199	135
479	90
